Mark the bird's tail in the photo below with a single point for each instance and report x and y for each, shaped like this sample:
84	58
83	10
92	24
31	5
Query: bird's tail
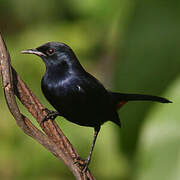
121	98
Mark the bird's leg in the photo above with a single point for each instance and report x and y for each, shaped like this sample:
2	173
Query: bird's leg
87	161
50	115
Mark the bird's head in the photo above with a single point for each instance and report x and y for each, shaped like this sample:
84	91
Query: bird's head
54	53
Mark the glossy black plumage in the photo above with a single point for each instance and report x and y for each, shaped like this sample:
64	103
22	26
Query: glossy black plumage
77	95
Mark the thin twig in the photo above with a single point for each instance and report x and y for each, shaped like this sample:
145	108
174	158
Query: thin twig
53	140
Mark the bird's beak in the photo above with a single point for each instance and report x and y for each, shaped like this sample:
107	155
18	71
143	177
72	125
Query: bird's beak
33	51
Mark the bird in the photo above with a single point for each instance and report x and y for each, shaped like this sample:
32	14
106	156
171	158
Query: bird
76	94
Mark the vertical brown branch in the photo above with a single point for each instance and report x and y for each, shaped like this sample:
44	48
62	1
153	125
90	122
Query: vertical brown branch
53	140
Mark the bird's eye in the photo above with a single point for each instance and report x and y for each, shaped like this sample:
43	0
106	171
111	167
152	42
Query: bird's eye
50	51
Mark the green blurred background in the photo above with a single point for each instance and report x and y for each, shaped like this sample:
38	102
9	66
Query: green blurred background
131	46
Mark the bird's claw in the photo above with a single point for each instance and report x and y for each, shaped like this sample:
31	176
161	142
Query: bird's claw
83	163
50	115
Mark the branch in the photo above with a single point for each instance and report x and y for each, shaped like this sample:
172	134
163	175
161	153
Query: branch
52	138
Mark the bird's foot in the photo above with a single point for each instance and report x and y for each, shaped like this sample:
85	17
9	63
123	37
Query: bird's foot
50	115
83	163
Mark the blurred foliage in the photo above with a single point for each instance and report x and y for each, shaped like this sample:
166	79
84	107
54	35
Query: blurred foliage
131	46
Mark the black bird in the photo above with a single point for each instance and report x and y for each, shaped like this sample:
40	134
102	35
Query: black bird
76	94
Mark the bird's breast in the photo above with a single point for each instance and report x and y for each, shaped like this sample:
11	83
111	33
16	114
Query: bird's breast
62	92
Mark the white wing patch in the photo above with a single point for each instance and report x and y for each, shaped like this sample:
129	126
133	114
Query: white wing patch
79	87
